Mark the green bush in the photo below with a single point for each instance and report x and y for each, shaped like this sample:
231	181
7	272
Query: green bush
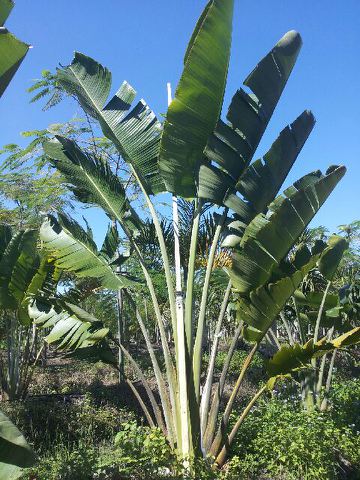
48	422
64	464
344	403
280	440
143	453
138	453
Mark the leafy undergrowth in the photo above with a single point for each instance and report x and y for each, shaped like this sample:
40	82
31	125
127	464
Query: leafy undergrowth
281	440
84	427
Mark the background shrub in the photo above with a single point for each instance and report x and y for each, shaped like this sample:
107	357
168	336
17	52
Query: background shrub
281	440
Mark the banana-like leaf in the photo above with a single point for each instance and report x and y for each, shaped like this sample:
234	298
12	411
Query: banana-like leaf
92	180
332	317
43	282
5	9
259	183
267	239
24	271
136	132
76	252
12	50
18	264
347	339
313	299
332	256
15	452
231	148
111	243
72	328
195	110
292	358
260	309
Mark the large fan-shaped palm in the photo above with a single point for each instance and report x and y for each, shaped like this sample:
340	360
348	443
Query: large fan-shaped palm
195	154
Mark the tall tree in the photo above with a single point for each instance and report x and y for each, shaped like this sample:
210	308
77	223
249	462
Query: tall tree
196	155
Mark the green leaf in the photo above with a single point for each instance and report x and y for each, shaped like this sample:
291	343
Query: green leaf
92	180
12	50
5	237
100	351
75	252
72	328
332	256
231	148
43	282
15	452
18	264
267	239
260	309
5	9
250	114
314	299
110	246
195	110
347	339
135	133
258	183
289	359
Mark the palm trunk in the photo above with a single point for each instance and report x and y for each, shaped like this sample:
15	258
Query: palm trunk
120	327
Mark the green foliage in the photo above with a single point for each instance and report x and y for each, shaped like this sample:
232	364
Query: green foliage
194	154
15	452
345	404
65	464
280	440
12	50
88	423
143	451
135	133
95	182
257	365
191	118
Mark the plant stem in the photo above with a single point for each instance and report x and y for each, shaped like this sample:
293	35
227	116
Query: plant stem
274	337
323	405
220	459
287	328
298	318
141	402
215	404
322	370
189	300
170	370
159	378
181	357
155	406
225	418
316	337
320	313
201	322
164	255
181	343
205	398
120	325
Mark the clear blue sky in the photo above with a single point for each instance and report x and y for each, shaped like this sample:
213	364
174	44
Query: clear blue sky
143	41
